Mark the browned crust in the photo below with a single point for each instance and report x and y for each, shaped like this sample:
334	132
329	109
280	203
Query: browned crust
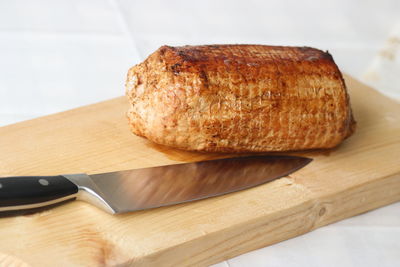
234	98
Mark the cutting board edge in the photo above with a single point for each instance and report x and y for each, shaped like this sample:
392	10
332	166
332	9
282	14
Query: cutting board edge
316	210
69	111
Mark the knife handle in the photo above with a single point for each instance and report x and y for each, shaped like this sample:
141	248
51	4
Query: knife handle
29	192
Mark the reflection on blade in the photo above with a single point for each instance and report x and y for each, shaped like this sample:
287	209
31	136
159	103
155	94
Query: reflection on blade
165	185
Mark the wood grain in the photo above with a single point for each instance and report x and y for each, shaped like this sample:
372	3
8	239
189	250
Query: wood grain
360	175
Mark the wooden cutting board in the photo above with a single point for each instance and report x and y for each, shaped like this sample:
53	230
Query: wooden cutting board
360	175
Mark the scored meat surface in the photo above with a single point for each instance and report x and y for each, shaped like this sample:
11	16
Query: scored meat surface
236	98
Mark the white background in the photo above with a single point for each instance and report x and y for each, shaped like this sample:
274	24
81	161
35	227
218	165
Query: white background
60	54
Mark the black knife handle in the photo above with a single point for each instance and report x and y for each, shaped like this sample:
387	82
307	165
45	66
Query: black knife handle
28	192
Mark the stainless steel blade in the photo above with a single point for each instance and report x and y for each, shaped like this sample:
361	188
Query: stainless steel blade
146	188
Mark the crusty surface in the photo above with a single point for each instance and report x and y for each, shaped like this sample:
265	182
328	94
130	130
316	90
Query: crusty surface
234	98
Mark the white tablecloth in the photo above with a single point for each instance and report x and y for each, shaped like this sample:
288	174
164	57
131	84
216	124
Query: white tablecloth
60	54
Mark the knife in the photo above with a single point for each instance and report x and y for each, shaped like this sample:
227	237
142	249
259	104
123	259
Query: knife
138	189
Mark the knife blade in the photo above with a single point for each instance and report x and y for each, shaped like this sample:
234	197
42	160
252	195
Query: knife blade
138	189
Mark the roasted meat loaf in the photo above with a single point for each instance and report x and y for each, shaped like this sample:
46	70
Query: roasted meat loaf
236	98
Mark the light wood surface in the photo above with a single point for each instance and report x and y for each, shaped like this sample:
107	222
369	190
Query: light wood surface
360	175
